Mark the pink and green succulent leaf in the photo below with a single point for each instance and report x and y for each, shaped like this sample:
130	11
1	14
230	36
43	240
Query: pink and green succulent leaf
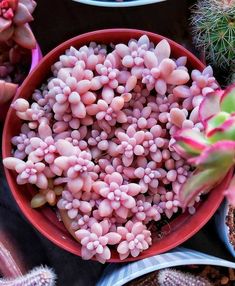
220	155
189	143
212	167
201	181
227	102
210	106
230	192
224	131
216	121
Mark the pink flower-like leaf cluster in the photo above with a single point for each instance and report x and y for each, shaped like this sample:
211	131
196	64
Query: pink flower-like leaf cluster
135	239
101	132
118	197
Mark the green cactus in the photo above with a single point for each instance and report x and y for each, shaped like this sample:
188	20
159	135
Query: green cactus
213	28
172	277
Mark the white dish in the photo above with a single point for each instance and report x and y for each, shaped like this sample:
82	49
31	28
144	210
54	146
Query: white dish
116	4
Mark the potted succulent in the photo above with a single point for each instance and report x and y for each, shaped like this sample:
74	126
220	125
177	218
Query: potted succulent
181	266
19	52
98	142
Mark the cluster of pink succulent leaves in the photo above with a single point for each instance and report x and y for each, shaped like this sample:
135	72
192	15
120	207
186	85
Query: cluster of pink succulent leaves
16	39
103	127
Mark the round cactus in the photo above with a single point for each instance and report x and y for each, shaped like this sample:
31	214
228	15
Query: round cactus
213	27
171	277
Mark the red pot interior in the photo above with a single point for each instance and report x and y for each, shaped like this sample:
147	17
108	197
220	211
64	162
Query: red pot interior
45	219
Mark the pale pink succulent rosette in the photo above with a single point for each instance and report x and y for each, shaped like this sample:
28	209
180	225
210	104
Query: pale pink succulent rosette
15	31
102	127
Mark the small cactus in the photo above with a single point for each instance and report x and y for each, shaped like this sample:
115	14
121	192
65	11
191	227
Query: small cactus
213	27
172	277
39	276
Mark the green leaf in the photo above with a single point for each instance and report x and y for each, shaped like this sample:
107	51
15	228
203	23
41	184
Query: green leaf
227	102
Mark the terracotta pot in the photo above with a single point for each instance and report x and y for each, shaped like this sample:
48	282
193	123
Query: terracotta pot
45	219
36	56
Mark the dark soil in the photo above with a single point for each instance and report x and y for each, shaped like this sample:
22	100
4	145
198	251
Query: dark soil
230	222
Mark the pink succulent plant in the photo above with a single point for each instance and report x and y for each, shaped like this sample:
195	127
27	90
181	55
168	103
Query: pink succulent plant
135	238
130	145
117	196
28	172
95	241
211	151
111	132
14	16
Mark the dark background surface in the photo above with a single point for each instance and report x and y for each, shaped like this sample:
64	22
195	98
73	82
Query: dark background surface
55	22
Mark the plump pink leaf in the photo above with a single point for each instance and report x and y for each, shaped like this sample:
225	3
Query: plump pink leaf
75	185
117	103
97	229
177	117
210	106
65	148
107	94
122	212
22	15
24	37
127	161
105	255
166	67
98	185
87	254
122	50
150	60
44	130
138	227
115	177
131	83
178	77
123	247
30	4
11	162
113	238
162	50
42	182
105	208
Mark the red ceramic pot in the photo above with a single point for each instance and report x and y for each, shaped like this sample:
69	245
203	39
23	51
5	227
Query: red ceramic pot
45	219
36	56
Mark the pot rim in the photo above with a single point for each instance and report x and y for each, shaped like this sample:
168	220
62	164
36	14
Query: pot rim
114	4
